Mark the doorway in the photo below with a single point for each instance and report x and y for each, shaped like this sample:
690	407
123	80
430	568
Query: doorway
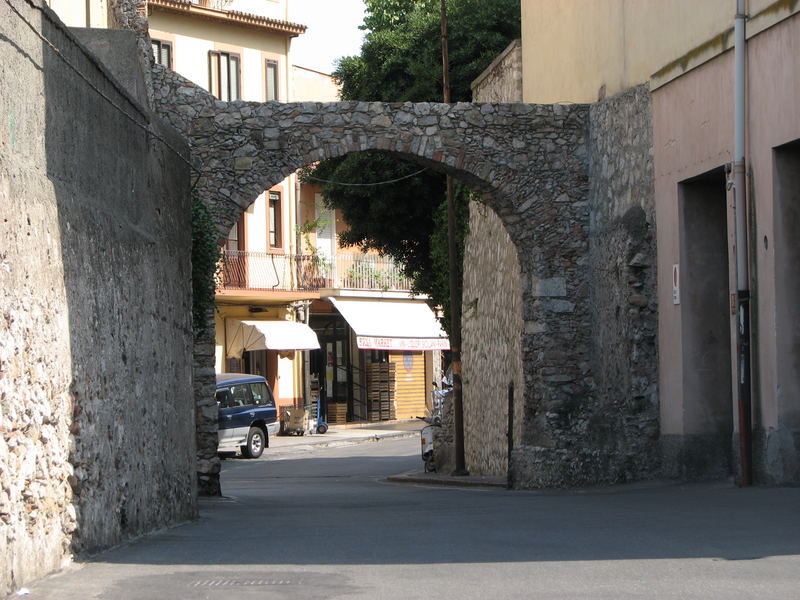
787	282
706	326
330	366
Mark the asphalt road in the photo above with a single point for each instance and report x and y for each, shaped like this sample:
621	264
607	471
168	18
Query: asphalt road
324	524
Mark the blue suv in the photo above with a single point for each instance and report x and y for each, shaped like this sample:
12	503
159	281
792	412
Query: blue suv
247	413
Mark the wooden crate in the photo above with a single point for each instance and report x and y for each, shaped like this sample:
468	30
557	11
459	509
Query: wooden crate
337	412
380	391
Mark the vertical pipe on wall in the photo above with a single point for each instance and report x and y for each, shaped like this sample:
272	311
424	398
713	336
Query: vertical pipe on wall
742	271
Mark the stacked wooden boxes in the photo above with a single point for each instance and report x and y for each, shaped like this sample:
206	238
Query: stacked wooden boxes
337	412
380	391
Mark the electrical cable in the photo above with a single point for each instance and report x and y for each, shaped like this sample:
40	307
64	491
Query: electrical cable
366	184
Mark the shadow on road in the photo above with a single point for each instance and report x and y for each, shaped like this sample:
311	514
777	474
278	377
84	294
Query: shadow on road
337	510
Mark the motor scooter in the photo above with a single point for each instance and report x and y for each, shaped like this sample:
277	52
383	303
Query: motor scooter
426	440
434	419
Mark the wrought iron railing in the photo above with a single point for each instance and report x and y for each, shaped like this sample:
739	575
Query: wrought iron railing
246	270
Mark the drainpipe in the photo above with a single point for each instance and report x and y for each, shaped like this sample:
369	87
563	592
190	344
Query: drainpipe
742	271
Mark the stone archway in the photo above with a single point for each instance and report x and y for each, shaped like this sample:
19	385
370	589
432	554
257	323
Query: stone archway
528	161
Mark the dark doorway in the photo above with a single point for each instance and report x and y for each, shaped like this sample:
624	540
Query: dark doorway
787	282
330	366
706	326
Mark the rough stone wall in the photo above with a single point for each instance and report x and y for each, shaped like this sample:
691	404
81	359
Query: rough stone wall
206	412
528	162
492	329
492	322
502	80
622	254
95	308
614	439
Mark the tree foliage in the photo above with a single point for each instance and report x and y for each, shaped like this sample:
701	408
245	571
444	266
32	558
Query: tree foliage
401	61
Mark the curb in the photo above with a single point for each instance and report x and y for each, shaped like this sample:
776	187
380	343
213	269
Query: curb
348	441
447	481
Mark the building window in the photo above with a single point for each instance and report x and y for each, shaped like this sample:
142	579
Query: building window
272	80
223	75
235	239
162	52
275	238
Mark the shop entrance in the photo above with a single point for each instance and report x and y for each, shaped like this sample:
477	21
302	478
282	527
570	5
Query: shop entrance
330	372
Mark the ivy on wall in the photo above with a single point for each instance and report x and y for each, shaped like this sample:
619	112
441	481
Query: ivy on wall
205	262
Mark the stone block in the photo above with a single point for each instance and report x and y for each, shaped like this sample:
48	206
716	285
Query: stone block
552	287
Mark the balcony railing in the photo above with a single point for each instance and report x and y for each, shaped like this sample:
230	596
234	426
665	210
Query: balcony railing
242	270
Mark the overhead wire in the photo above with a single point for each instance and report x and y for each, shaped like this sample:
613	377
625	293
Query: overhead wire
388	181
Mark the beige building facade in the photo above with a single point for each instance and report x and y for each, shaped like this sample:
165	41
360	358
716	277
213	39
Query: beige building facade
586	50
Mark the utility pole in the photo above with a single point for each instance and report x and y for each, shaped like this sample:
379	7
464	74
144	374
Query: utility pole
452	265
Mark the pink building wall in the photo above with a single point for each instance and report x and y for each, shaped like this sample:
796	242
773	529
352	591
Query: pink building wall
693	128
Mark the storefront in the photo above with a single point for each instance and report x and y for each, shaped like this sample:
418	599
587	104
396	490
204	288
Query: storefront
377	357
271	349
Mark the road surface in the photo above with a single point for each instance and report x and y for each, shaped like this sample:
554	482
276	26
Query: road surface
324	524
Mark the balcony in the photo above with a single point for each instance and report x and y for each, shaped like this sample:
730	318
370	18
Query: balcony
242	270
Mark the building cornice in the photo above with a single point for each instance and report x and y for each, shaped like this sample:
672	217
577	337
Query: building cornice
757	23
233	17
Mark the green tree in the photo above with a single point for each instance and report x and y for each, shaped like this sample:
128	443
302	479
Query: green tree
401	61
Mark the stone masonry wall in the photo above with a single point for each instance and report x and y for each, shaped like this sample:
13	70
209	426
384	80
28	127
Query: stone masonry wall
492	322
528	162
502	80
96	422
623	278
615	439
573	194
492	328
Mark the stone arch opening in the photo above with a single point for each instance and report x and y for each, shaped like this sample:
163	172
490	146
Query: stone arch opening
497	319
528	162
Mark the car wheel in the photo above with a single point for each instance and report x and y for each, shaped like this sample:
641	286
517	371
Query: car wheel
256	440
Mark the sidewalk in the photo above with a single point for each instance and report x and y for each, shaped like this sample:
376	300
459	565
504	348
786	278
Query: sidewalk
343	435
360	433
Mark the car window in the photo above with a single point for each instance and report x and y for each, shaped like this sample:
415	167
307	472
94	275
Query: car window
262	395
240	395
224	398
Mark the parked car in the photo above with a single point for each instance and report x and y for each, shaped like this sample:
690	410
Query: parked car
247	414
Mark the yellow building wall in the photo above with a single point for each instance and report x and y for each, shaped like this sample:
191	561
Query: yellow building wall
312	86
288	386
80	13
274	9
582	50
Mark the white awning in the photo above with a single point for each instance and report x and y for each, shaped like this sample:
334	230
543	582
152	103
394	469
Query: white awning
242	336
392	324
